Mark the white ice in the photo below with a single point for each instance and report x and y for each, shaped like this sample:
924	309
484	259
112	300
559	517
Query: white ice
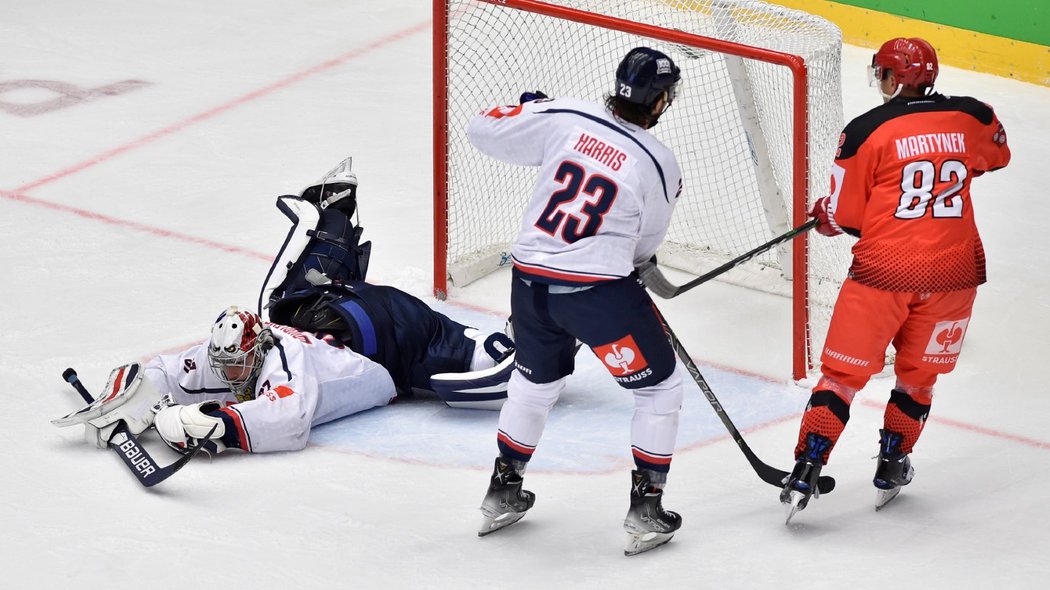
143	146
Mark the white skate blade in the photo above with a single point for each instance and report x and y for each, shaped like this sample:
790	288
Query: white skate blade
791	507
642	542
490	524
884	497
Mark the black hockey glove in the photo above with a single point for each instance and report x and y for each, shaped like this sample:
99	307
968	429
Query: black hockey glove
529	96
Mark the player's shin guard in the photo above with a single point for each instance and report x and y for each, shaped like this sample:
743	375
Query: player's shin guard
654	427
524	415
822	424
906	414
826	417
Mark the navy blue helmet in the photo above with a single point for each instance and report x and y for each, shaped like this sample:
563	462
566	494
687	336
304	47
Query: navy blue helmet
644	75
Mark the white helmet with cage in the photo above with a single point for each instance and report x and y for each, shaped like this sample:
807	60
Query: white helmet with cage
238	345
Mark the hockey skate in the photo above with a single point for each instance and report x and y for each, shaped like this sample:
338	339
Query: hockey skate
801	483
505	503
893	470
647	524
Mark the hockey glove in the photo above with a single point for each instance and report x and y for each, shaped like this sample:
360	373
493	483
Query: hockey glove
825	217
182	426
531	95
129	399
649	272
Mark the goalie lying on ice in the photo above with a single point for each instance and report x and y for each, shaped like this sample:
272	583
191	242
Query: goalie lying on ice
335	345
264	386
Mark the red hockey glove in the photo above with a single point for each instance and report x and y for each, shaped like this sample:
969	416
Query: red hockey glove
825	223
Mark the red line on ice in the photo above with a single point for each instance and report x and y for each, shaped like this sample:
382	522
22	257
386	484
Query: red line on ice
208	114
1024	440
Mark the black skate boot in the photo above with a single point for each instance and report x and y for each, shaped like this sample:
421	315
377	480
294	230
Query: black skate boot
505	503
801	484
893	470
647	524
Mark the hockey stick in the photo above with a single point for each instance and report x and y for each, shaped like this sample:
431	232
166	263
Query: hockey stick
134	455
661	287
766	473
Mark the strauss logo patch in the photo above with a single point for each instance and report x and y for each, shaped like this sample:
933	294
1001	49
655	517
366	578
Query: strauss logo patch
622	357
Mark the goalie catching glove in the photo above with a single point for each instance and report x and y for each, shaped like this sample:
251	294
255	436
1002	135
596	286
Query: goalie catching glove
183	427
127	398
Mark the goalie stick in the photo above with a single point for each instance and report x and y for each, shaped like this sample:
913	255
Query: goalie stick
766	473
660	286
133	454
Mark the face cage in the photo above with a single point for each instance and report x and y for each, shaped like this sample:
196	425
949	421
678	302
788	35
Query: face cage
671	93
875	73
241	388
673	90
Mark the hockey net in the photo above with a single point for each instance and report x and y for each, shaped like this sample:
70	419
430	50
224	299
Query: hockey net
754	127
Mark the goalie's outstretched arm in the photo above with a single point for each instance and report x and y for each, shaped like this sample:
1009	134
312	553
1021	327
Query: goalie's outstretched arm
127	447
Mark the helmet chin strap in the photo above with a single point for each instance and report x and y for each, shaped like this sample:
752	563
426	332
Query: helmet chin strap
889	97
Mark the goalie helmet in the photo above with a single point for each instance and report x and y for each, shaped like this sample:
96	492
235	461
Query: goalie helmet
238	345
913	62
645	75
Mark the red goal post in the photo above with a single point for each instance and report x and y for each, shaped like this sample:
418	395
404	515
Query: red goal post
742	128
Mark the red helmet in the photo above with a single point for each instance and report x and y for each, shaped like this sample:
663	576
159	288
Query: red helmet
913	61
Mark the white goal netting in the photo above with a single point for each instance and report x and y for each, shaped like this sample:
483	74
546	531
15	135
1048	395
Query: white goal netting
731	128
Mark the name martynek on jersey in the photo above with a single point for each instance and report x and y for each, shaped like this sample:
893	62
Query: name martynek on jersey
304	381
928	143
604	194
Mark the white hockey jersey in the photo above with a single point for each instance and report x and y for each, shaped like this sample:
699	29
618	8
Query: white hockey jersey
604	195
303	382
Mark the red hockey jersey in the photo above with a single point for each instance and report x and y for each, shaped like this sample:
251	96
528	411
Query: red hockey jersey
901	183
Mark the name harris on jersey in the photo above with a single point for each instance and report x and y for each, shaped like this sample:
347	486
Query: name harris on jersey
607	154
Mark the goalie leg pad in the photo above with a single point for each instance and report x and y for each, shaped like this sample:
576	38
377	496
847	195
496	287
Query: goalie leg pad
305	217
489	349
323	242
498	346
479	390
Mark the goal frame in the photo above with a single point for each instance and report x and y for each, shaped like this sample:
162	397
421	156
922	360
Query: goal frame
800	141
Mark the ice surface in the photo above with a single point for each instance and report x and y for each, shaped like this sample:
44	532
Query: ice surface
144	145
